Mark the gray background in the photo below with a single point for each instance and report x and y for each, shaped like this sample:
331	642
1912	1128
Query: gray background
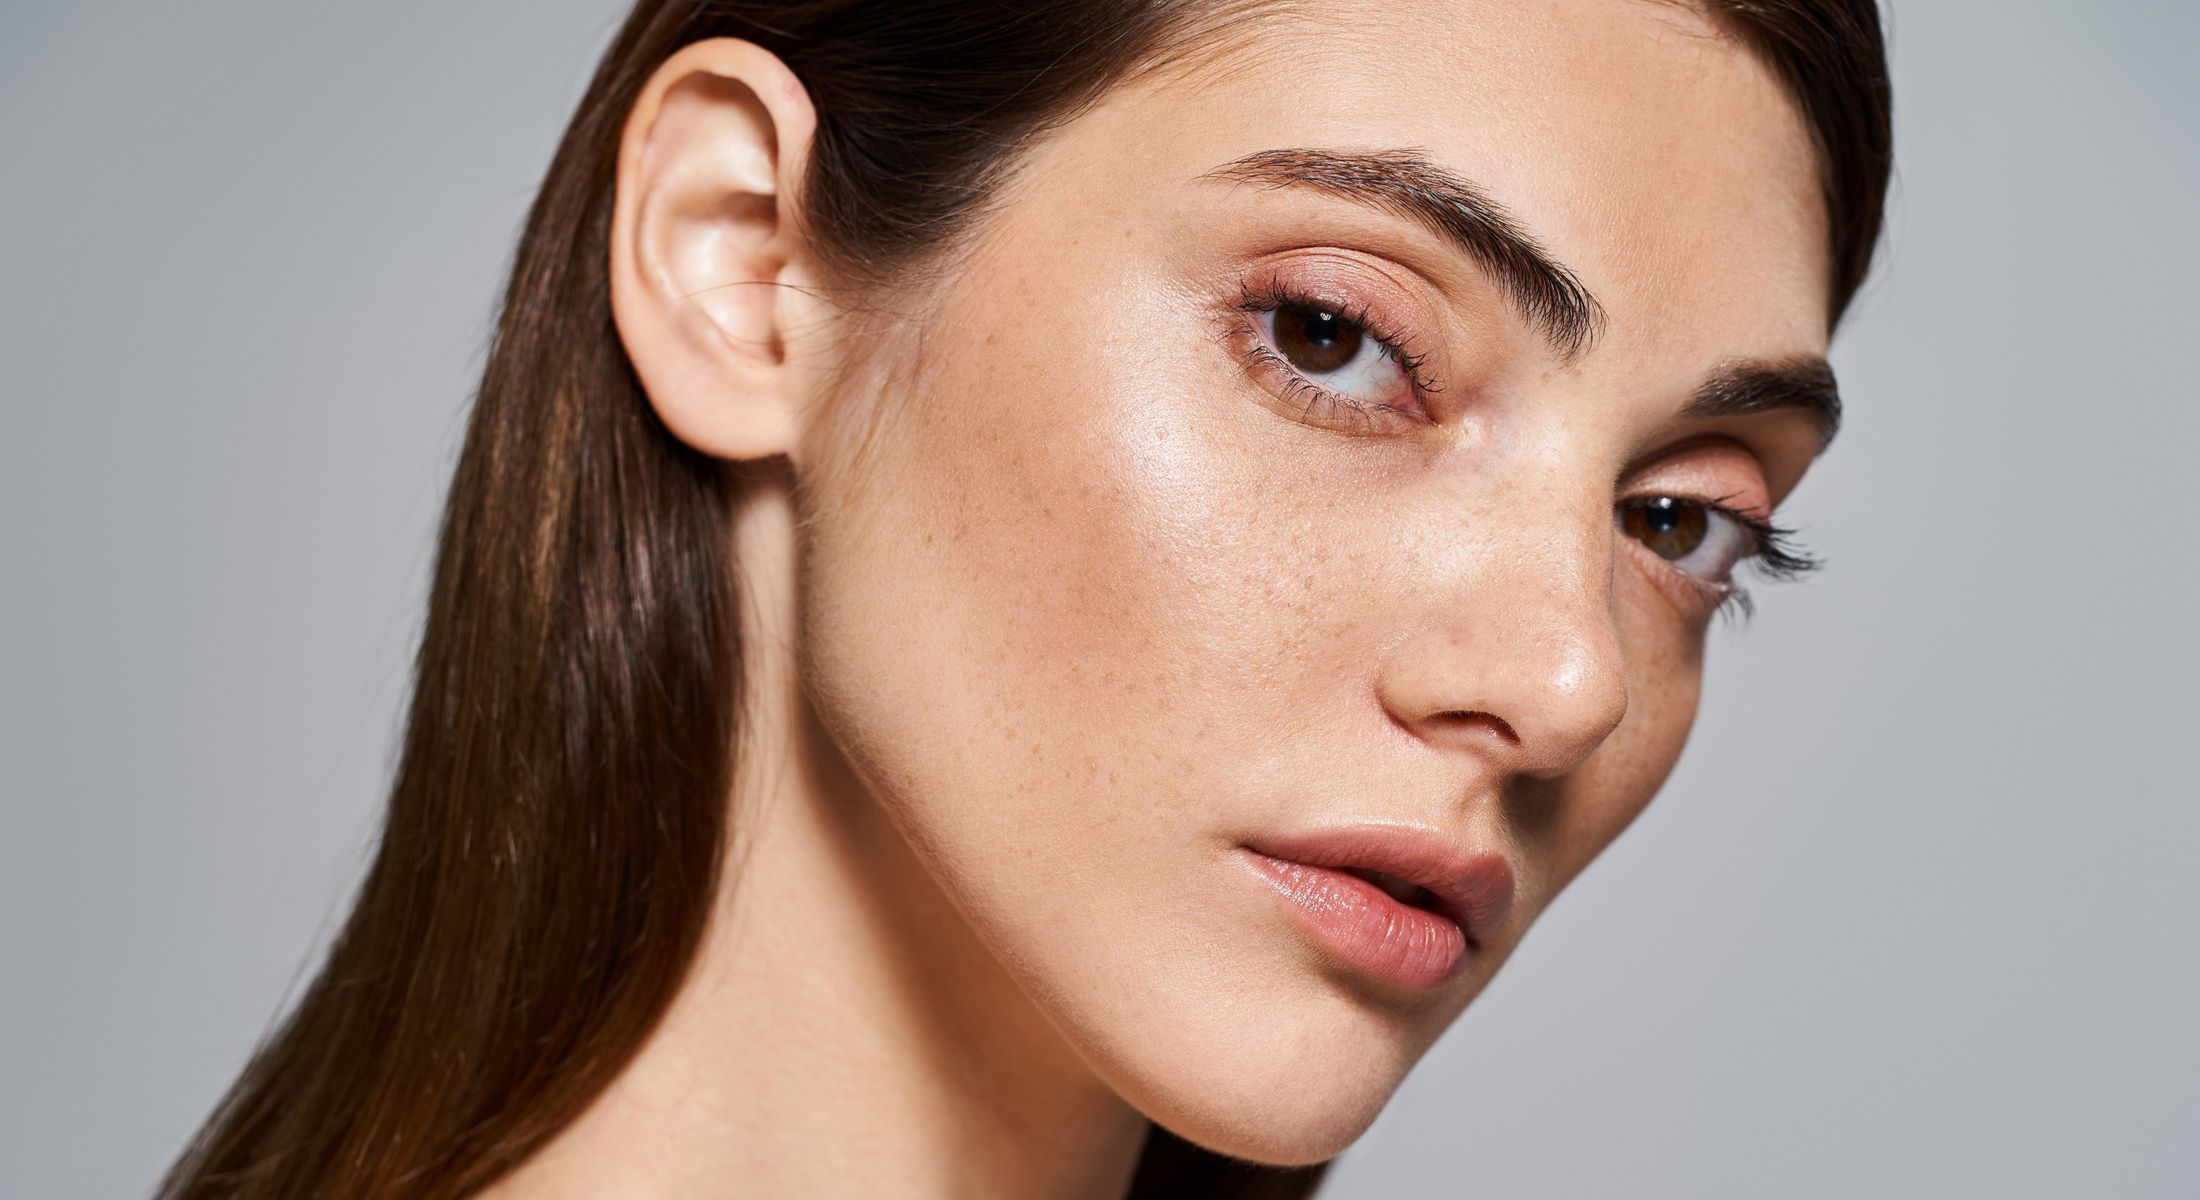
1915	917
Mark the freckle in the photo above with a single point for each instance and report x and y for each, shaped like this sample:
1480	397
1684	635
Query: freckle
1114	778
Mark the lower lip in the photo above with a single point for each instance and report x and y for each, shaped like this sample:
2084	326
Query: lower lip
1363	927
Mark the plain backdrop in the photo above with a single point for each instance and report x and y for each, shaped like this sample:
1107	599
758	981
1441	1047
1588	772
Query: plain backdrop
1917	915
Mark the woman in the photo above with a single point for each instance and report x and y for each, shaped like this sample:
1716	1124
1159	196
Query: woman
1038	594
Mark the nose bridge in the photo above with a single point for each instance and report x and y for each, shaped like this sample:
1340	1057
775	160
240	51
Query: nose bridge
1571	670
1517	653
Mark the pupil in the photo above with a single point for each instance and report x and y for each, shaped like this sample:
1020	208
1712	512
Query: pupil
1315	340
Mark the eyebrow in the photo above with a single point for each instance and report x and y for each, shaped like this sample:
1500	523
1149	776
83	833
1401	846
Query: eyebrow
1744	387
1548	294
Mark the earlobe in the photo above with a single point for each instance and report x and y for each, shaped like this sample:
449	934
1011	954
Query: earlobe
706	243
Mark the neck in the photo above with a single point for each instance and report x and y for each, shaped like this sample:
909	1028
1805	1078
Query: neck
841	1023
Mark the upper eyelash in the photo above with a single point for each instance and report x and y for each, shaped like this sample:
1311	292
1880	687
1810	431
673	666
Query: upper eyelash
1777	556
1272	294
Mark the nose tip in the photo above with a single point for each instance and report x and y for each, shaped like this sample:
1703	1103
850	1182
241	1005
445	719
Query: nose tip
1578	706
1534	701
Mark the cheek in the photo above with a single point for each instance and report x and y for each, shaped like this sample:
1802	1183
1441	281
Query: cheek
1082	630
1067	593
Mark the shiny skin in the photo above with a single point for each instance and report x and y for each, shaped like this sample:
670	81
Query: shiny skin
1085	602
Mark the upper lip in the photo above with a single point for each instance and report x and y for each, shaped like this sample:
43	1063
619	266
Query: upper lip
1472	888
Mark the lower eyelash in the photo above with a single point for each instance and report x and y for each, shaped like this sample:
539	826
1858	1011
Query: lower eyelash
1294	383
1777	557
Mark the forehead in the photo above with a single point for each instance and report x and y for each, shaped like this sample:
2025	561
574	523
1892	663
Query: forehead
1644	147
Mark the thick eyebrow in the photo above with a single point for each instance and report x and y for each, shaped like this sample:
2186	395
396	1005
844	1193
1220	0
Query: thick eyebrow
1403	182
1753	386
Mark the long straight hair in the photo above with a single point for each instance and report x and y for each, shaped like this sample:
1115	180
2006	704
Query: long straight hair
551	848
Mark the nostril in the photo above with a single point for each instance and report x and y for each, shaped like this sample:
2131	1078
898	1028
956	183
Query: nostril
1496	723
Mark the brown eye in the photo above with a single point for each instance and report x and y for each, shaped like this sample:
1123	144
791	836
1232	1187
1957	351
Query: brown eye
1314	340
1673	528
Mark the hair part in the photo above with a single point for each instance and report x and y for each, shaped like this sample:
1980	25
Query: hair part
552	843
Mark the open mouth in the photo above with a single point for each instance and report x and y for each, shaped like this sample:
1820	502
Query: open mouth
1396	888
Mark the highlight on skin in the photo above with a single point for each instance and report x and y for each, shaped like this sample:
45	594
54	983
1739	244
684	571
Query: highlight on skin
1039	595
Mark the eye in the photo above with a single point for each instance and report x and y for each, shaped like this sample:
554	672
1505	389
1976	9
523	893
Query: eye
1335	351
1702	540
1332	357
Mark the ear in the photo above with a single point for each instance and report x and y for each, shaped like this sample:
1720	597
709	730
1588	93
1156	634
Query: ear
710	275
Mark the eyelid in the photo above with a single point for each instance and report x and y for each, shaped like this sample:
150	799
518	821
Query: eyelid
1706	467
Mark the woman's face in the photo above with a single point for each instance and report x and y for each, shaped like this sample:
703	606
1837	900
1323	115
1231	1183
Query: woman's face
1106	575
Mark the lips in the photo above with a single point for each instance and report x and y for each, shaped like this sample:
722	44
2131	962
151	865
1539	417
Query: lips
1399	902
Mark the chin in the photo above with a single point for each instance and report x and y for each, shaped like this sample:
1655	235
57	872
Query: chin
1281	1084
1281	1127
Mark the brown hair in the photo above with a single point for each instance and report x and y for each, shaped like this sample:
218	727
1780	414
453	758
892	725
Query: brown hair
552	843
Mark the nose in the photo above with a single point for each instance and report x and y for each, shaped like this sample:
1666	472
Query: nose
1517	656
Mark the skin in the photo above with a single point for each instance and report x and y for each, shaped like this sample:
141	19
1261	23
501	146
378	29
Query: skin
1050	602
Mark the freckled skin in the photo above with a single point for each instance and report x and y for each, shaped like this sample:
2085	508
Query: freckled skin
1090	606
